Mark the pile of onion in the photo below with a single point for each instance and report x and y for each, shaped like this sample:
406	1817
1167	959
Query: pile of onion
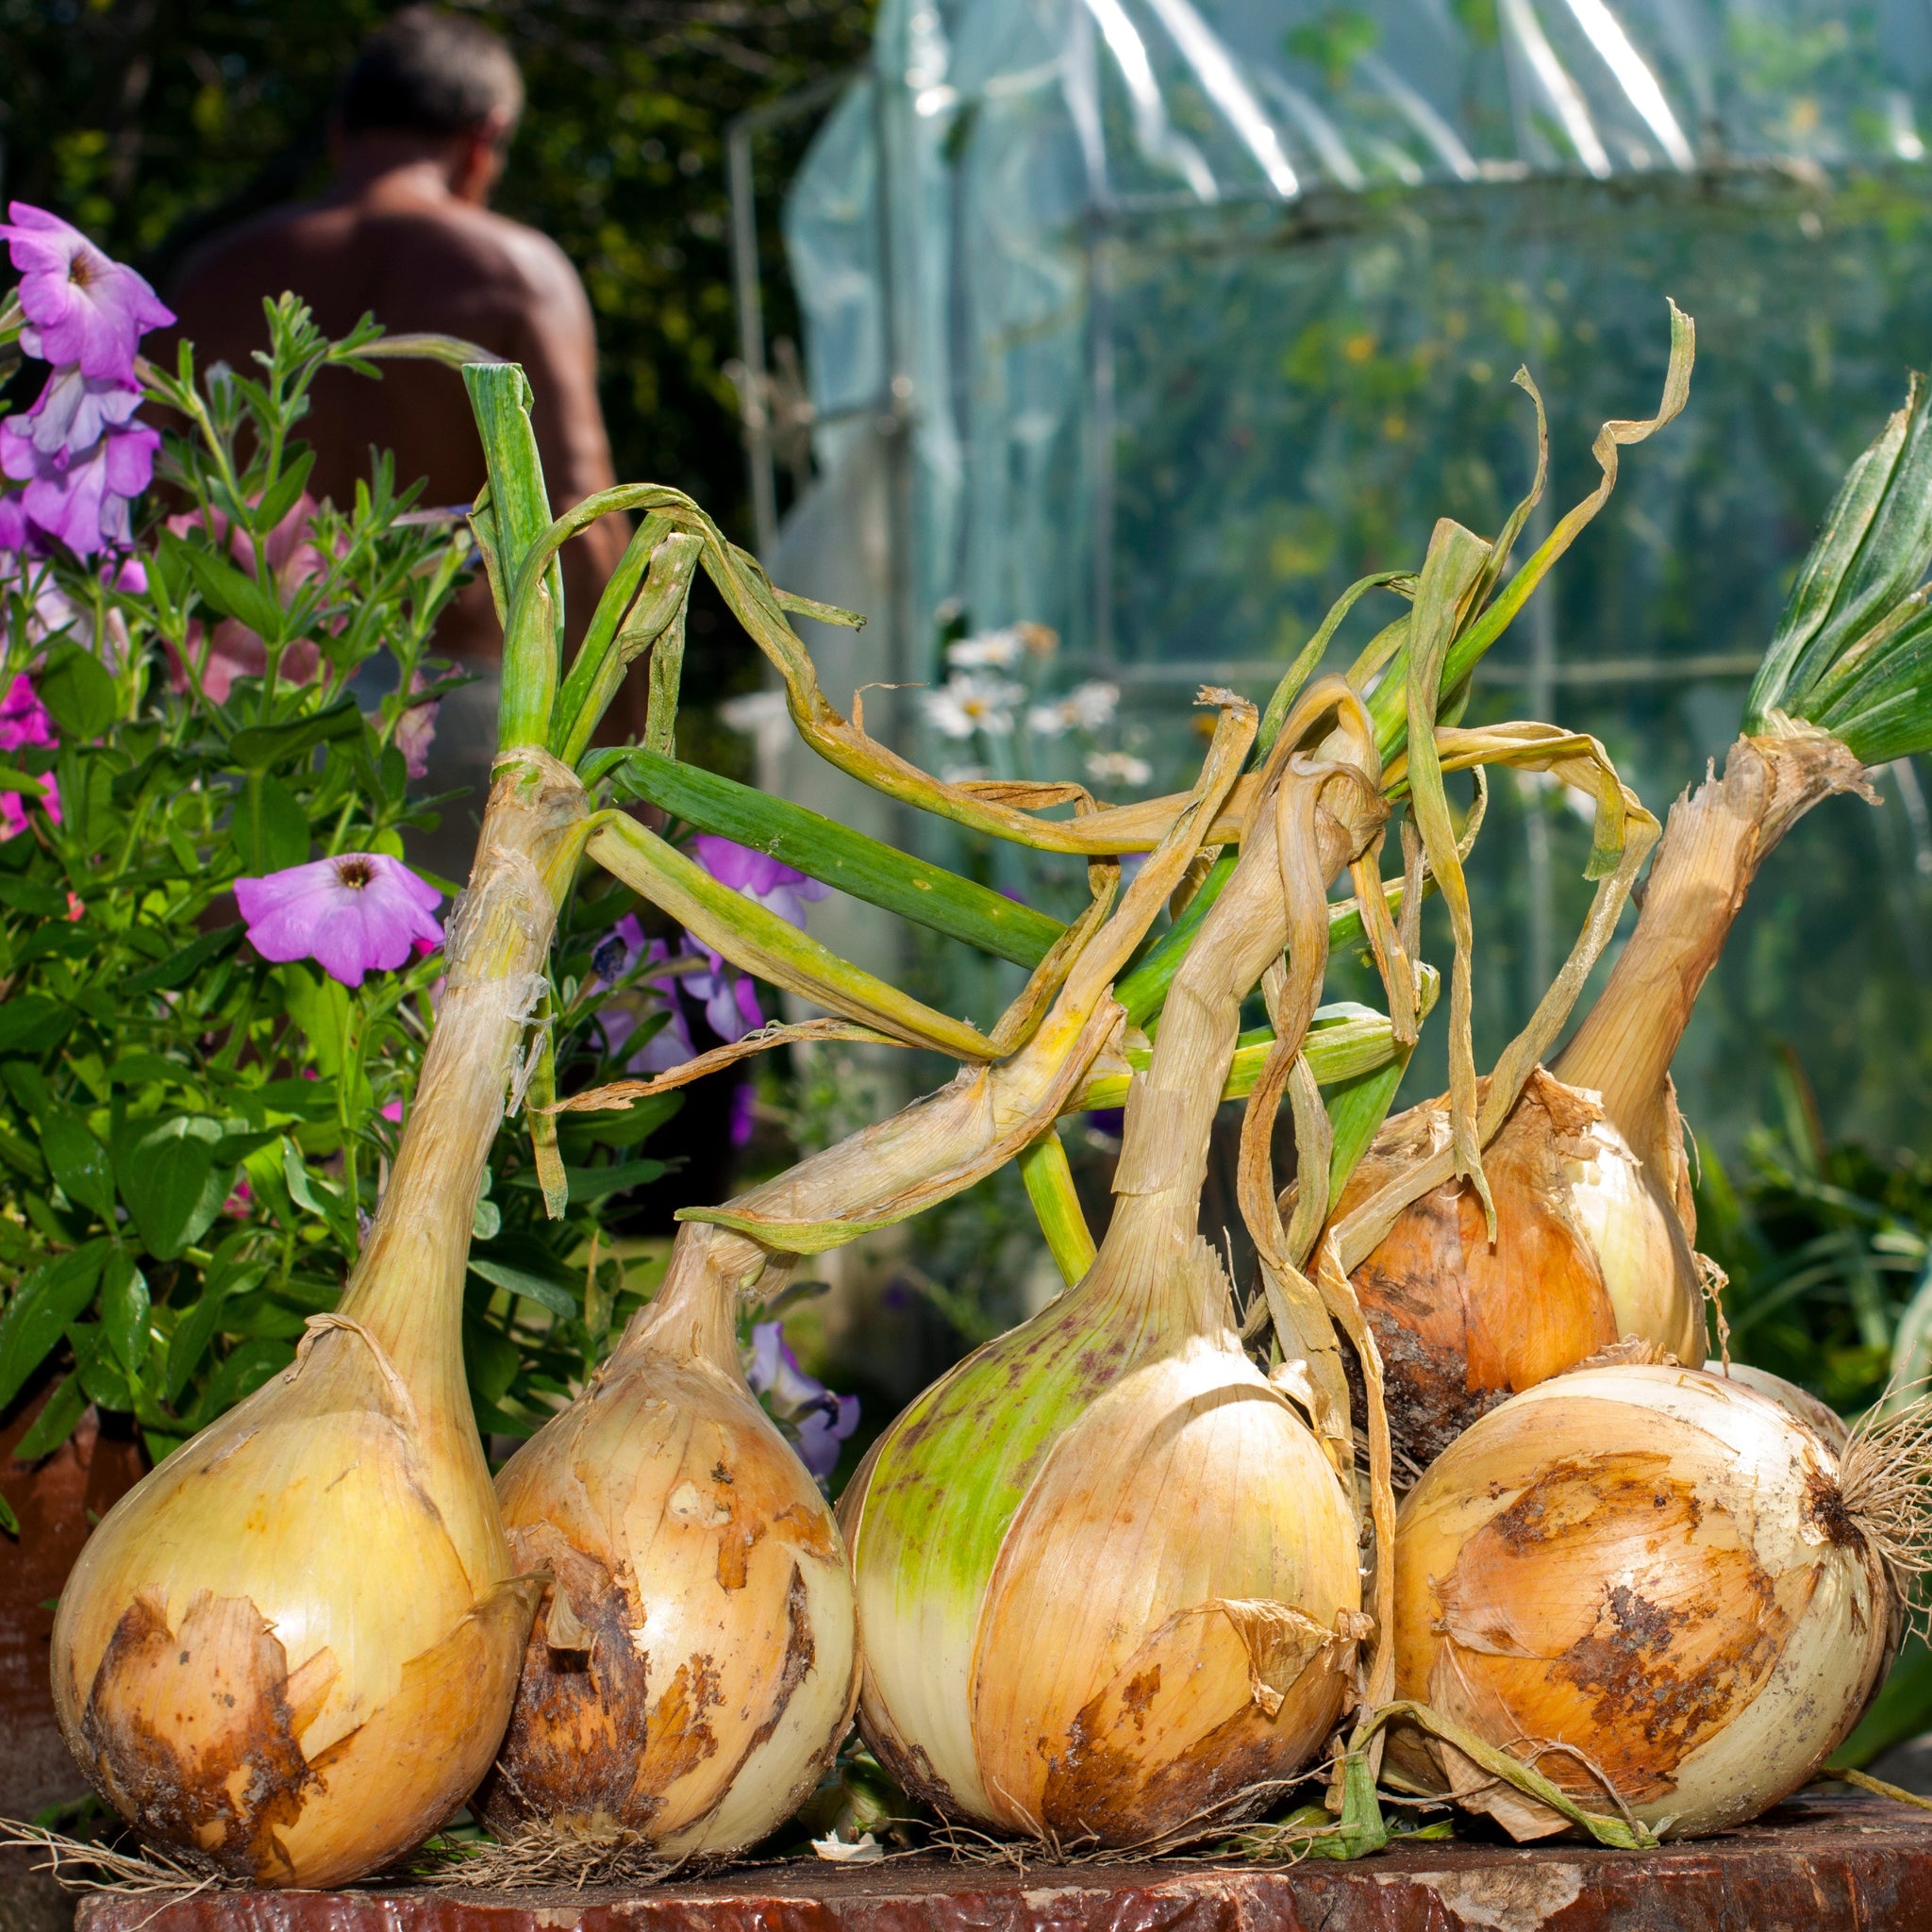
693	1668
1594	1221
1658	1585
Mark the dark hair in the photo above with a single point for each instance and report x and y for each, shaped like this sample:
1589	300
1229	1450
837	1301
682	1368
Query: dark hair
423	72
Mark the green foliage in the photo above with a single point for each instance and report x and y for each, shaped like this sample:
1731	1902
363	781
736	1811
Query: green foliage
1824	1242
147	123
191	1136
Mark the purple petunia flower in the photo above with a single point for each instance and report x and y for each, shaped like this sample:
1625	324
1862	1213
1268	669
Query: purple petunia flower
816	1421
363	911
80	498
774	884
23	720
74	410
84	308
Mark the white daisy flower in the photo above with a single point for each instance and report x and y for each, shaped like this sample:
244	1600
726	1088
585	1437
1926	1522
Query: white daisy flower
991	650
1118	768
965	704
1086	707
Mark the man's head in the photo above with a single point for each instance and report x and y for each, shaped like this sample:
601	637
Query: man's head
430	85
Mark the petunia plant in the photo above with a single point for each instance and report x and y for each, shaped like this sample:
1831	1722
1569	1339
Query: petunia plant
217	969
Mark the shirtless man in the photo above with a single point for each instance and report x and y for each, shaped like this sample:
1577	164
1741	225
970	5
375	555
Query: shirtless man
421	131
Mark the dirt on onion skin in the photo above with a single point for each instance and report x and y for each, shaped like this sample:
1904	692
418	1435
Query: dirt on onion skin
1463	1324
191	1733
1635	1658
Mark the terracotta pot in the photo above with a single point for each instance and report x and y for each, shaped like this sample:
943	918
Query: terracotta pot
58	1500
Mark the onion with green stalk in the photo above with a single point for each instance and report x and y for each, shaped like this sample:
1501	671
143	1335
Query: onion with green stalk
1592	1214
287	1654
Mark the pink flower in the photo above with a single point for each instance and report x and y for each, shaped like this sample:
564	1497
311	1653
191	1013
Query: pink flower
293	559
23	720
363	911
80	498
84	308
416	730
774	884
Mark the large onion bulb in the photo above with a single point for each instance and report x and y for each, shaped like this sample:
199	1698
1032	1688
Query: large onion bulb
287	1654
1108	1578
1654	1578
694	1666
1589	1250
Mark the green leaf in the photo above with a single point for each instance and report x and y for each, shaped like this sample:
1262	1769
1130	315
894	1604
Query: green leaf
53	1425
620	1127
263	745
559	1300
32	1020
33	895
77	1160
319	1006
166	1170
234	594
9	1521
823	849
271	829
309	1192
281	497
79	694
595	1183
197	1329
43	1304
491	1359
105	1383
124	1306
182	965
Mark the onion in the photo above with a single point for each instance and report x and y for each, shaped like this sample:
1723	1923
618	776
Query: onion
1655	1583
287	1654
1588	1251
695	1667
1109	1581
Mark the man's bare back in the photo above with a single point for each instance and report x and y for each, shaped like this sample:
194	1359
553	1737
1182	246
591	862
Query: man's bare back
405	234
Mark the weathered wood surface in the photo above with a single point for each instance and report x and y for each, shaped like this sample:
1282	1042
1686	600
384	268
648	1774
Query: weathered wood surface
1821	1862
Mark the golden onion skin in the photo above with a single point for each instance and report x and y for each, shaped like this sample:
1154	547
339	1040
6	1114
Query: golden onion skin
1647	1569
1105	1585
287	1654
1588	1251
695	1667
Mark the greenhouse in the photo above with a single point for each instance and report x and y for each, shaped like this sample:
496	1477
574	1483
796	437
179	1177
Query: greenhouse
1169	320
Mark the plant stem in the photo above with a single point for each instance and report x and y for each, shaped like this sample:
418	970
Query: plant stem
1716	839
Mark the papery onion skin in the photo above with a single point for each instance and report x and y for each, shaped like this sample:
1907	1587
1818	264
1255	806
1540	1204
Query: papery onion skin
1824	1423
1588	1251
287	1654
1109	1581
1651	1567
708	1665
1056	1548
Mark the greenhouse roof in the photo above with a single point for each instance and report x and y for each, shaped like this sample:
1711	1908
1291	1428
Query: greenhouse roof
1272	98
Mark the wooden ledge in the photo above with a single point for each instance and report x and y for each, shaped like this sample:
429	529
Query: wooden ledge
1818	1862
